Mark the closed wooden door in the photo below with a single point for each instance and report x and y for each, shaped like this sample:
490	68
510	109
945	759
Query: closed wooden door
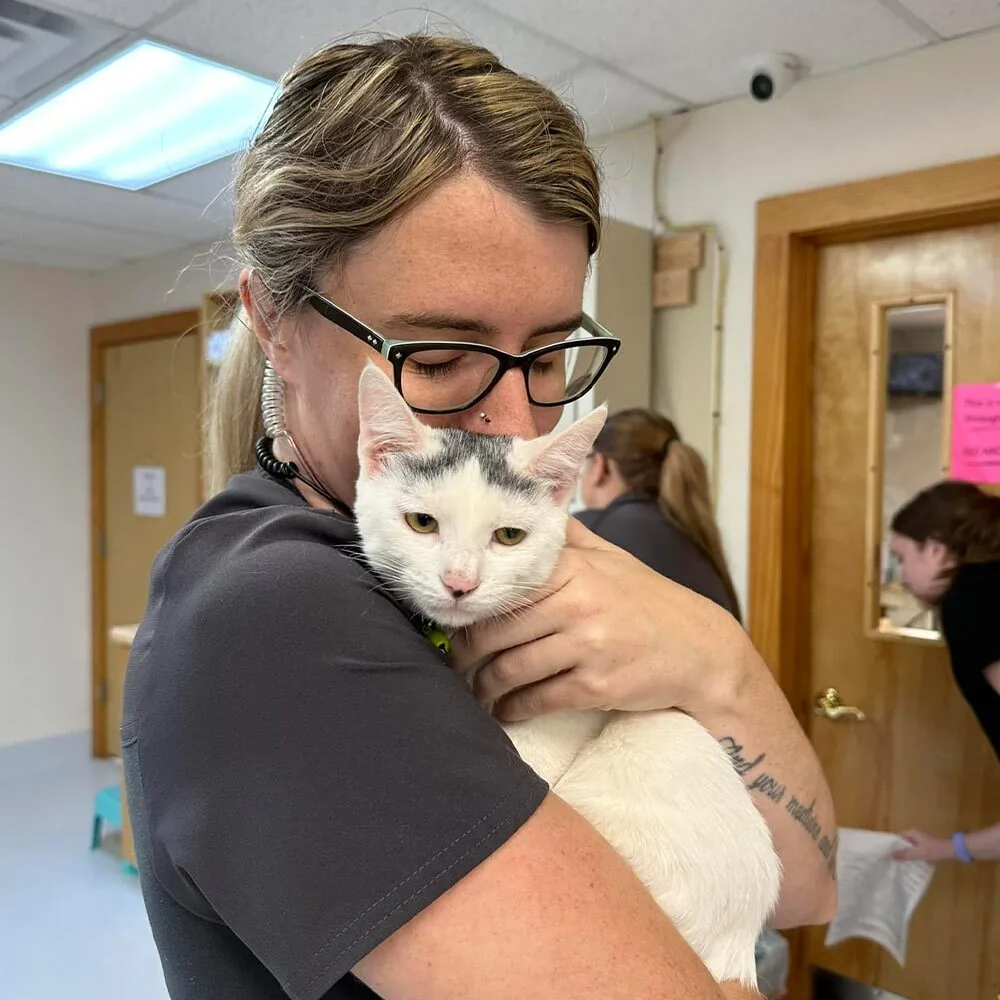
918	759
152	482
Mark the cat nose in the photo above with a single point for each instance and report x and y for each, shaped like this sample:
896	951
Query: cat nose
459	584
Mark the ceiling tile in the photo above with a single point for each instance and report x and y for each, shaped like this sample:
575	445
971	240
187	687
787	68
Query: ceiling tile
8	46
265	37
94	204
607	102
55	257
43	231
127	13
698	48
208	189
951	18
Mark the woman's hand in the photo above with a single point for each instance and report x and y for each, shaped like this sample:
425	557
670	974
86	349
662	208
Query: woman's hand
609	633
924	847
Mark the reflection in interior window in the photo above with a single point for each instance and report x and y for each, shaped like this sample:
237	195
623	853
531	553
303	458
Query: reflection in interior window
215	346
915	425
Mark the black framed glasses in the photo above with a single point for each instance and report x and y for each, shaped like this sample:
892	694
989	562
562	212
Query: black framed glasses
448	376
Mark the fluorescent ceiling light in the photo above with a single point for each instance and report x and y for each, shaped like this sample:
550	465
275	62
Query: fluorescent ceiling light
148	114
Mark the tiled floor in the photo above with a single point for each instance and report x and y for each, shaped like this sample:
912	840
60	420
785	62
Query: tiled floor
72	923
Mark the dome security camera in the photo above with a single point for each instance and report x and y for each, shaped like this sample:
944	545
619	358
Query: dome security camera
773	75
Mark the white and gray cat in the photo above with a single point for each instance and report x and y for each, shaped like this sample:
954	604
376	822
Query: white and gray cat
465	527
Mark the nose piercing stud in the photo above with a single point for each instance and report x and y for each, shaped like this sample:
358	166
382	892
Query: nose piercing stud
482	416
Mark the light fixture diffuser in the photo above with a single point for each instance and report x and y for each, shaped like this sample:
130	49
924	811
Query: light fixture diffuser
149	113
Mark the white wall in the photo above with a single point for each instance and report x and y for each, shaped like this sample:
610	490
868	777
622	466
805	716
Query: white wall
682	359
45	314
934	106
167	283
626	161
45	318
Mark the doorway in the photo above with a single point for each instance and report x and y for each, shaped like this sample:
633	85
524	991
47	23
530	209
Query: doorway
145	480
872	300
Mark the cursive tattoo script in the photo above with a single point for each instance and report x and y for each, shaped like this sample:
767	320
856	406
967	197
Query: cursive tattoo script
772	789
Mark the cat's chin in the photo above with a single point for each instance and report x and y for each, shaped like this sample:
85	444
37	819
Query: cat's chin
452	617
463	614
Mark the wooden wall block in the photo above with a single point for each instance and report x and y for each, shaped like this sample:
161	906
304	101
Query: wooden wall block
673	288
685	251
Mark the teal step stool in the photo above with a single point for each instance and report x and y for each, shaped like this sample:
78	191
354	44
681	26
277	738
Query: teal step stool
108	809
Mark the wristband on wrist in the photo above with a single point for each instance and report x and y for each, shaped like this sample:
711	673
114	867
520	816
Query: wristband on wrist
961	848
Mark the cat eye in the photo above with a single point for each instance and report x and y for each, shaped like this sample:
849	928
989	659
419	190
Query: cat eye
422	524
510	536
448	376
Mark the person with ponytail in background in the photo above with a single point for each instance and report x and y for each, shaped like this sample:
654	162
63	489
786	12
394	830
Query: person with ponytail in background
947	541
647	492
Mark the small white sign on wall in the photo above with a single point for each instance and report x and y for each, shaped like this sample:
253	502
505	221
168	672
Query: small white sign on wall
149	491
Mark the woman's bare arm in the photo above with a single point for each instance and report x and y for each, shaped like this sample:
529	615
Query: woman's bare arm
554	913
778	764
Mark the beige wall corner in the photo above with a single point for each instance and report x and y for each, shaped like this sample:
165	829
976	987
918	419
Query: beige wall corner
623	296
682	360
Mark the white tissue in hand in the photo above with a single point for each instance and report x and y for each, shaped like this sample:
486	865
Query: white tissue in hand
877	893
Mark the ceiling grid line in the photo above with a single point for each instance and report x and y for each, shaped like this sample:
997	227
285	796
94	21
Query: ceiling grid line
911	19
589	57
111	229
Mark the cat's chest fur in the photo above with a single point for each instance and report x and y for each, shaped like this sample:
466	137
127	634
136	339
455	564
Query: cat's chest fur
551	743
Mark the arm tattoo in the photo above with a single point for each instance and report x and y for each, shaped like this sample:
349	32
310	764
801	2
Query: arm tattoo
769	786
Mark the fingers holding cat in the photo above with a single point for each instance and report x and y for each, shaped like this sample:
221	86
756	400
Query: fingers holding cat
608	633
538	677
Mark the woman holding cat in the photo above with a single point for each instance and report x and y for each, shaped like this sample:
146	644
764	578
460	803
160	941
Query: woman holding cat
320	808
647	492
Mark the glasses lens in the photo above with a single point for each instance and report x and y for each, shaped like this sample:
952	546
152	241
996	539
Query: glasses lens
565	371
445	379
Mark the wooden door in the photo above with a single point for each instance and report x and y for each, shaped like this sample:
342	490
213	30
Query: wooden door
150	410
919	759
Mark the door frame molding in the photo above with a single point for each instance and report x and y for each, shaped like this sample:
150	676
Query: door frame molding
175	324
790	231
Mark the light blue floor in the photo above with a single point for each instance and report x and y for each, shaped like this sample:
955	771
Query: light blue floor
72	924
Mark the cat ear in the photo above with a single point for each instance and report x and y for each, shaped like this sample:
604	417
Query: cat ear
557	457
386	424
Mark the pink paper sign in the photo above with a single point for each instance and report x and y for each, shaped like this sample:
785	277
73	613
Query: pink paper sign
975	433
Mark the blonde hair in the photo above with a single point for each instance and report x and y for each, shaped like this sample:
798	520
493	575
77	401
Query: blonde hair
654	461
358	134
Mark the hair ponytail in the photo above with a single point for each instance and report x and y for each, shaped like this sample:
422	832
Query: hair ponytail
655	462
234	421
686	499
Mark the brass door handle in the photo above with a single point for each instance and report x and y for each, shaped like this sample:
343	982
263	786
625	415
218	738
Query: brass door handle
830	705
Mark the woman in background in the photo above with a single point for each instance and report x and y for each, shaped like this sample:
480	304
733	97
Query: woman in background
647	492
947	541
